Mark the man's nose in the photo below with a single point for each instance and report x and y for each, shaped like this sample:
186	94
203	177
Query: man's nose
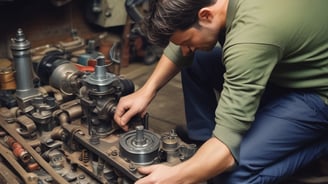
186	50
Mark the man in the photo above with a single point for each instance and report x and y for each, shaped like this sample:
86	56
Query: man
272	114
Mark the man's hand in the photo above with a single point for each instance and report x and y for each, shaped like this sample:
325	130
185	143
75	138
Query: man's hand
137	102
131	105
159	174
212	158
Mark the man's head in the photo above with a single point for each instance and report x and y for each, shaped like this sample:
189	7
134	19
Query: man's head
187	23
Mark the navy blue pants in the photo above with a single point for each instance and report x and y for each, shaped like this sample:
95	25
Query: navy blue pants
289	130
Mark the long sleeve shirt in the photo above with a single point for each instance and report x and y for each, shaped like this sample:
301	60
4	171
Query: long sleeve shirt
284	42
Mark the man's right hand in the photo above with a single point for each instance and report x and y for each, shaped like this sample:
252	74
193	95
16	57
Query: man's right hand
131	105
137	102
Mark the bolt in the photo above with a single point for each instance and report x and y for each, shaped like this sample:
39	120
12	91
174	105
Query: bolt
114	153
132	167
82	176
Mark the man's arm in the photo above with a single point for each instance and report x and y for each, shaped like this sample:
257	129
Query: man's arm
137	102
212	158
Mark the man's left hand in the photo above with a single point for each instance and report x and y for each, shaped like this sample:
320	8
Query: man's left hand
158	174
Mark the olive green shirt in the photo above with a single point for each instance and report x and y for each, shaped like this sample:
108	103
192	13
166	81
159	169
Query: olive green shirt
284	42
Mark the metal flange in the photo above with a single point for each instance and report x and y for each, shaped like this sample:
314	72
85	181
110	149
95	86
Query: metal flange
140	146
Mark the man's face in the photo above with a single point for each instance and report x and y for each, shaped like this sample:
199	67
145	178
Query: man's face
192	39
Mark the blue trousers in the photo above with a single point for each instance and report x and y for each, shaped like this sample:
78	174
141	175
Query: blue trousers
288	131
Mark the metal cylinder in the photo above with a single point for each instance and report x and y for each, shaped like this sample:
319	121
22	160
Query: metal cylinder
20	48
25	90
140	146
7	75
140	138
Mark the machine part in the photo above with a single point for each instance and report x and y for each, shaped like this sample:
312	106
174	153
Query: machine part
7	75
33	166
114	52
115	58
48	145
17	149
100	93
7	98
106	13
56	159
76	44
170	141
28	177
58	96
186	151
39	52
33	153
140	146
27	127
84	156
96	6
70	46
90	53
136	9
42	114
170	144
54	69
9	115
25	90
69	134
72	109
109	175
140	49
48	64
7	80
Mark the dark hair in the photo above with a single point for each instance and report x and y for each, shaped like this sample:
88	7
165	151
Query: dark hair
167	16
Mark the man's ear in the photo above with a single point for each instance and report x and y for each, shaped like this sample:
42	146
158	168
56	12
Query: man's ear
205	15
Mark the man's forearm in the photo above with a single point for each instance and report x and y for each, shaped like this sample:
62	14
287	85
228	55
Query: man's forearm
164	72
212	158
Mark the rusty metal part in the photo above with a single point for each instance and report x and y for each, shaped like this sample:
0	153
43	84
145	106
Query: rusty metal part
9	114
33	153
72	110
28	127
58	133
28	177
67	128
7	79
17	149
84	157
170	144
107	149
5	63
7	75
49	90
75	44
39	52
33	166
